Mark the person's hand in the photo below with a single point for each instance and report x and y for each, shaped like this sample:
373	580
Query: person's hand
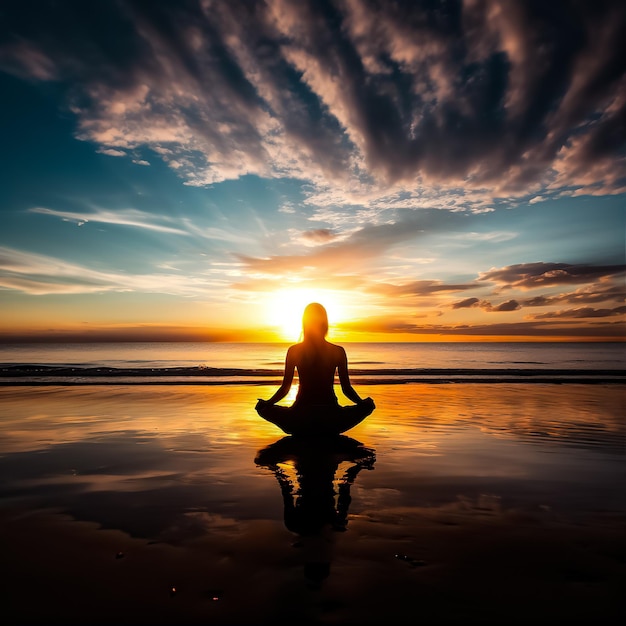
368	402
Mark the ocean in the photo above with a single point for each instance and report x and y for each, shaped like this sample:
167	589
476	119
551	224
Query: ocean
371	362
140	485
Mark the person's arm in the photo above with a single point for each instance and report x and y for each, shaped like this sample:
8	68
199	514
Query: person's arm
344	379
283	390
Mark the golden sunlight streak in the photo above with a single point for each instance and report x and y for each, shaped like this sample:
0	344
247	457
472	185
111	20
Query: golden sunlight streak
284	308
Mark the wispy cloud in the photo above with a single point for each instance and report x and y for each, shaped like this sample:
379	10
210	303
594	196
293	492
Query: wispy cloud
371	99
38	274
363	244
557	328
27	60
122	217
114	152
493	237
419	288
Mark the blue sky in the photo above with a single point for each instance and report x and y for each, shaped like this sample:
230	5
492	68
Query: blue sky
428	170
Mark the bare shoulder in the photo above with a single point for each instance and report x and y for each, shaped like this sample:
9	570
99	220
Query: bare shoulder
337	351
295	351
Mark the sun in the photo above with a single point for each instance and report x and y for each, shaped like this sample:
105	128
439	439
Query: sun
285	308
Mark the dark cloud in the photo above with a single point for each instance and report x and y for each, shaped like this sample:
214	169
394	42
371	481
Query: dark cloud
482	93
584	312
535	275
466	304
509	305
318	236
587	295
597	292
541	301
485	305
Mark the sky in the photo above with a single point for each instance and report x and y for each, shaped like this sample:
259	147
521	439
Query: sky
201	170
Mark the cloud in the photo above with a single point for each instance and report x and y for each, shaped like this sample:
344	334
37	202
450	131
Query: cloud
402	325
112	152
360	245
585	312
317	237
466	304
519	276
43	287
366	243
38	274
122	217
597	292
26	60
485	305
342	262
371	99
509	305
268	285
419	288
494	237
540	274
141	332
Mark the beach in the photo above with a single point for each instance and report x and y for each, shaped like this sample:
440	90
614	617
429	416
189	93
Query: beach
220	217
176	504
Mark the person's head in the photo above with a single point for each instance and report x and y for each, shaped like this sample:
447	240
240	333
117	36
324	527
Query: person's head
314	321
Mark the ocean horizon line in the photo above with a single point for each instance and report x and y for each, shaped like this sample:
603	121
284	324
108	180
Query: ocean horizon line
13	341
37	374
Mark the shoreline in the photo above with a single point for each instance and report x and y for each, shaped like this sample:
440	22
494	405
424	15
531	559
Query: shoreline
416	381
37	375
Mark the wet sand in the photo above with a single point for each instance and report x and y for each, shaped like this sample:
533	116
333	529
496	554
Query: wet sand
460	503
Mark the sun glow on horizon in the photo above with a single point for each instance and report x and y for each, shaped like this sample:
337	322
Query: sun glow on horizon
284	310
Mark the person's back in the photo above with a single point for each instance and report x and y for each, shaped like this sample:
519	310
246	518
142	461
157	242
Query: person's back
316	362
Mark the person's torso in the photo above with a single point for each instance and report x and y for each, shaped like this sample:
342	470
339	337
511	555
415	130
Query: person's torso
316	366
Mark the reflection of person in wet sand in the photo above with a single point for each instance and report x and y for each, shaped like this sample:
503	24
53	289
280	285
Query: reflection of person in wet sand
310	511
316	409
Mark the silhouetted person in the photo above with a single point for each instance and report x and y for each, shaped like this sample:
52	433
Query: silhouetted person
316	409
